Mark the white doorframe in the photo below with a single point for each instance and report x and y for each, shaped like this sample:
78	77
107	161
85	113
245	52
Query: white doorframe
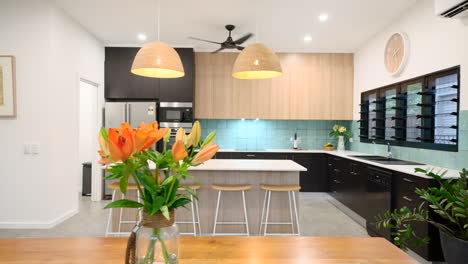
96	173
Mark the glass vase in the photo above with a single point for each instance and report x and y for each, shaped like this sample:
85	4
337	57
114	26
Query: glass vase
157	240
341	143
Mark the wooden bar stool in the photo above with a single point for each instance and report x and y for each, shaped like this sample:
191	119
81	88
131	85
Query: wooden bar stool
116	186
194	204
291	188
231	188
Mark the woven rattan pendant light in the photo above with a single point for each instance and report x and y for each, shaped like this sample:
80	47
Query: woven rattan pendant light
158	60
256	61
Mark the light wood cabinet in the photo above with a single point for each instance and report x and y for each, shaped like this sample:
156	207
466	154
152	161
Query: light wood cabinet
314	86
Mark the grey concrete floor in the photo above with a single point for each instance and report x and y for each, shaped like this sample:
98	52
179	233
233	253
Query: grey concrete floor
318	217
89	222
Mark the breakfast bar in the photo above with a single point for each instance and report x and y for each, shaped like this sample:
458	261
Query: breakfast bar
237	172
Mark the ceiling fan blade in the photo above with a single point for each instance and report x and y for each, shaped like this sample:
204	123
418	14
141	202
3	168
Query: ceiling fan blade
243	39
218	50
239	47
205	40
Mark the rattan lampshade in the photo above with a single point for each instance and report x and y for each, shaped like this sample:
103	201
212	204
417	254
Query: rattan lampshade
256	61
158	60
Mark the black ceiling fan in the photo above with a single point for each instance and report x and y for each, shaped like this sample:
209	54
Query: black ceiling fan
229	43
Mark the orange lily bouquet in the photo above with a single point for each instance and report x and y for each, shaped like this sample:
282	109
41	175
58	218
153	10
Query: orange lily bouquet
129	154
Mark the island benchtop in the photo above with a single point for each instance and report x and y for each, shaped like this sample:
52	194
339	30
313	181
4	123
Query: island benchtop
249	165
246	165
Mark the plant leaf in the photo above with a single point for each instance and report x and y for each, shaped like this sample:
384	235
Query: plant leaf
157	203
124	203
165	212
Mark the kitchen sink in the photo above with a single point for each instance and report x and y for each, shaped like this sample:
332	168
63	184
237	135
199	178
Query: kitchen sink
385	160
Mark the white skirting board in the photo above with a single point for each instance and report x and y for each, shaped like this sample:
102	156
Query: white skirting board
38	225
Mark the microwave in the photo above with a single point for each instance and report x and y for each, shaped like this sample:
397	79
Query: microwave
174	112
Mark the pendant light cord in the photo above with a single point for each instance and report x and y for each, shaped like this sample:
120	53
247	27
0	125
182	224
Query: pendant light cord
256	21
158	19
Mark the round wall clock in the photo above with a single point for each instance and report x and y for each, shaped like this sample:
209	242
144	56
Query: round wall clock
396	52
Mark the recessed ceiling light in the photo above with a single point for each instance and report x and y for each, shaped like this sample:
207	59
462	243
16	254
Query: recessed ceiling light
323	17
141	37
307	38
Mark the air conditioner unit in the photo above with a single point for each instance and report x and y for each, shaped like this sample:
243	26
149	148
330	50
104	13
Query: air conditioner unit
451	8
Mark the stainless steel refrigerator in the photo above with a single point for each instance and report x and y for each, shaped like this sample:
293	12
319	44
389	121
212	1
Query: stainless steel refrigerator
133	113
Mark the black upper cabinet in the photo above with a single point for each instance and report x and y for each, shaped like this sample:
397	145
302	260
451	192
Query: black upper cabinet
121	84
180	89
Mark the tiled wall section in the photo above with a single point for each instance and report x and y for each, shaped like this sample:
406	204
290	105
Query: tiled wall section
269	134
456	160
276	134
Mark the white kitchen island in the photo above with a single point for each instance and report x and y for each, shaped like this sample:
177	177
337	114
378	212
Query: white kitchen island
234	171
238	171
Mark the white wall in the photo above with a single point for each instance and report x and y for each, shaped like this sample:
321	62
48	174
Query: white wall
52	53
435	44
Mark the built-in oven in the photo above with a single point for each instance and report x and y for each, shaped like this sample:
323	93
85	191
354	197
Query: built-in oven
175	112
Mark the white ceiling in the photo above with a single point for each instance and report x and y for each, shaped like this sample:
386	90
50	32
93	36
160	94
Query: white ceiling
279	24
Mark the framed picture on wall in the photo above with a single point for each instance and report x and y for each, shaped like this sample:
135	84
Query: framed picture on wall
7	86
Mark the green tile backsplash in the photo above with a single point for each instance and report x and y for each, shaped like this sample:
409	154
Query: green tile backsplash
276	134
269	134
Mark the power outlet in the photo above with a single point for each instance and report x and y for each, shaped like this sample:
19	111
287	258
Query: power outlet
35	148
27	148
31	148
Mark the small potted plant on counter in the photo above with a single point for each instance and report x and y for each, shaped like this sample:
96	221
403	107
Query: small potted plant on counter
450	201
329	146
340	132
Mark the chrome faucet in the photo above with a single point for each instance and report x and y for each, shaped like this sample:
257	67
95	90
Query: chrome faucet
389	151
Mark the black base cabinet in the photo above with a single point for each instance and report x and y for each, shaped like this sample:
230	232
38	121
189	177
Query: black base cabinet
404	196
362	189
315	178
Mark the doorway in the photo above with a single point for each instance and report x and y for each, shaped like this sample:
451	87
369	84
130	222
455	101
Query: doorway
88	130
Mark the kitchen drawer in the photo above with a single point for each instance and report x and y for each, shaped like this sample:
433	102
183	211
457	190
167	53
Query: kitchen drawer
404	196
406	186
259	155
223	155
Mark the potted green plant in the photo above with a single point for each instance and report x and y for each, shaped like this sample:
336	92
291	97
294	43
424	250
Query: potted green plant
340	132
450	201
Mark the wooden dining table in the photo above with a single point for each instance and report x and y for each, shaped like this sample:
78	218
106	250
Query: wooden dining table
207	250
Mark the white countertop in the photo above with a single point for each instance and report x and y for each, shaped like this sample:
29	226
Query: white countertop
249	165
243	165
408	169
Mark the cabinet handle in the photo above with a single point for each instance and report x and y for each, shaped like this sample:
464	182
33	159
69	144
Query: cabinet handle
336	181
407	199
407	180
250	155
336	170
329	165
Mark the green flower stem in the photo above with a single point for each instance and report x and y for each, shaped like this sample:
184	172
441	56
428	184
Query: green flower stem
150	252
157	233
